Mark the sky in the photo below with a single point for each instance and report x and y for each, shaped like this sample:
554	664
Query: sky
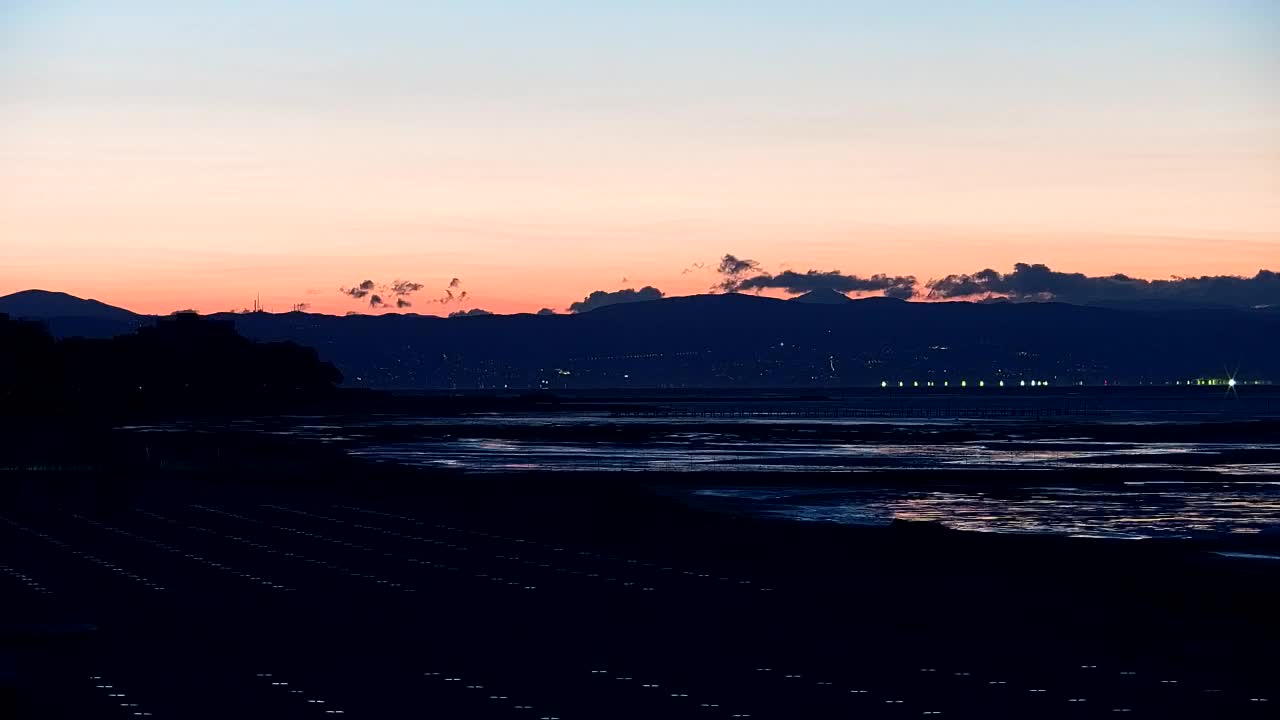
162	155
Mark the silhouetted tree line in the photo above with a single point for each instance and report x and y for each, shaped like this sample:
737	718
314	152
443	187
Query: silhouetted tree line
184	363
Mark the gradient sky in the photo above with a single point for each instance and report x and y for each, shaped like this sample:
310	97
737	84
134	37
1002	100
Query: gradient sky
163	155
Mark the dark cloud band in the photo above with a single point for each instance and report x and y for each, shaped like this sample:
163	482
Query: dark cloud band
1032	282
601	298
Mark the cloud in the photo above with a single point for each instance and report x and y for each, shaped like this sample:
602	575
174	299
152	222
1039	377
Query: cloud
546	311
978	283
401	288
900	292
731	269
1037	282
449	295
359	291
730	265
473	312
601	298
899	286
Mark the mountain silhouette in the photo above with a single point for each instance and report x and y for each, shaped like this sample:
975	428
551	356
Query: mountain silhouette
46	304
739	340
69	316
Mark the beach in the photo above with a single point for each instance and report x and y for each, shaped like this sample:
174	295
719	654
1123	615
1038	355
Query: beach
196	580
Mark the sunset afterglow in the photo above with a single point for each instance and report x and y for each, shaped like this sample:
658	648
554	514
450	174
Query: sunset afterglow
160	156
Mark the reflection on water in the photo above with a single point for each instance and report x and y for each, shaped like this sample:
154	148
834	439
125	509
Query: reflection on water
701	452
1175	510
1239	495
1138	510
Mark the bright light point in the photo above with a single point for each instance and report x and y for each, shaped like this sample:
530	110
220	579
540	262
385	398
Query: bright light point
916	383
1001	383
884	384
1231	382
982	383
1022	383
900	383
964	383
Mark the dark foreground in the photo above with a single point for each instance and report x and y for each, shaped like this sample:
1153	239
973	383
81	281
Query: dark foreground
298	584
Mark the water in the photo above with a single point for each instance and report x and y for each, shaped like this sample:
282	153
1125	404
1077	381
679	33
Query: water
701	452
1134	511
1142	478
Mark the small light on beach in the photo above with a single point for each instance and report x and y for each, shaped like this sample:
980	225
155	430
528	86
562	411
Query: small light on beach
1231	382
